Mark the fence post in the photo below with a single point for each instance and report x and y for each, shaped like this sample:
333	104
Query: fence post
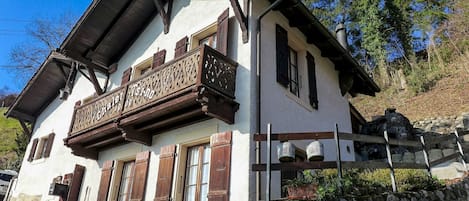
339	159
388	153
425	155
461	152
269	154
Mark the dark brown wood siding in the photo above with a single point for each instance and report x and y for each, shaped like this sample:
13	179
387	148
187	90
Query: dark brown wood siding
313	92
158	58
126	76
106	175
141	171
75	184
165	173
50	142
33	150
222	32
220	164
181	47
282	55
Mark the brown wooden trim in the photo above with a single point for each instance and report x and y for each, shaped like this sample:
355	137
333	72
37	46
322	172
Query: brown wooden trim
165	15
25	128
181	117
132	135
378	139
220	167
140	176
222	32
241	18
333	164
94	81
105	142
33	150
50	142
444	159
91	134
105	183
165	173
295	136
79	150
75	185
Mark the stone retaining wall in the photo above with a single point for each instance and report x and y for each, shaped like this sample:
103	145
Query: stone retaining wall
443	125
454	192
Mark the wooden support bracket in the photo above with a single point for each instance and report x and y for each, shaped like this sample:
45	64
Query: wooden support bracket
132	135
26	130
94	81
165	15
79	150
242	19
218	106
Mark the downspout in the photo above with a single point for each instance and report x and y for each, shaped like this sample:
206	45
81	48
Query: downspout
258	89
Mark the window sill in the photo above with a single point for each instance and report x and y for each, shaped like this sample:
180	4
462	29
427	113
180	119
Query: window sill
299	101
38	161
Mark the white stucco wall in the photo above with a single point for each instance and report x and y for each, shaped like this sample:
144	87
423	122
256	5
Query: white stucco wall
188	17
288	113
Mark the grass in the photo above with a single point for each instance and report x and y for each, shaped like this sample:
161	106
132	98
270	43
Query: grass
8	129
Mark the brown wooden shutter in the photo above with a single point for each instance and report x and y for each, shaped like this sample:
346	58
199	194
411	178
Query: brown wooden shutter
75	185
50	142
165	173
181	47
313	92
106	174
126	76
141	168
158	58
282	55
220	163
33	150
222	32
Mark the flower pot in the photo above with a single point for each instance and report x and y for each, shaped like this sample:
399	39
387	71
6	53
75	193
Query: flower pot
286	152
302	192
315	151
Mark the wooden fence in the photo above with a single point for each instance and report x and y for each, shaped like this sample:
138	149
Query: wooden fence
423	144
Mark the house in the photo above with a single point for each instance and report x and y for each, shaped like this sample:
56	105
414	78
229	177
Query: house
160	99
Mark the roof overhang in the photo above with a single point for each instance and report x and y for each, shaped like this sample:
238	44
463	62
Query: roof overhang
92	43
41	89
299	16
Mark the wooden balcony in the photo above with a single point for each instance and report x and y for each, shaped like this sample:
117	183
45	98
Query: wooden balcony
191	88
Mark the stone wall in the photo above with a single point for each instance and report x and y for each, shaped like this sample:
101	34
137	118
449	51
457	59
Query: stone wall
443	124
454	192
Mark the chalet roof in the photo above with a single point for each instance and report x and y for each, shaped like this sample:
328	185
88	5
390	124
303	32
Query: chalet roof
93	42
299	16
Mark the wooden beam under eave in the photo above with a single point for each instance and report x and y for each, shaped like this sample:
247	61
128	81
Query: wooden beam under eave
26	130
241	18
132	135
22	116
165	15
88	62
94	81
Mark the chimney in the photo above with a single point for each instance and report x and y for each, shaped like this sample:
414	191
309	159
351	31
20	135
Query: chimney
342	35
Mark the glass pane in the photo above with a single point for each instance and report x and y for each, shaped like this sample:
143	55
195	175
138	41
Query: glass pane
214	41
294	73
192	175
194	160
190	193
207	153
205	173
203	192
292	57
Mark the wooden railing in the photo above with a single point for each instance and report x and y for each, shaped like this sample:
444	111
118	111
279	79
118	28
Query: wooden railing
203	66
422	143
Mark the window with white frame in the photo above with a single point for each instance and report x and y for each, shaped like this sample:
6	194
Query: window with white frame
197	173
126	180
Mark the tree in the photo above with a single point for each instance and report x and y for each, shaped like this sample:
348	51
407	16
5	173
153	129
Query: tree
45	35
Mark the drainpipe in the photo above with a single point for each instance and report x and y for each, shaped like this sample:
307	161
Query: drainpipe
257	52
341	35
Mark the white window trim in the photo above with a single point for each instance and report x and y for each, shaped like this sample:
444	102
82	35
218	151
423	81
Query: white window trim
180	166
137	69
206	31
117	175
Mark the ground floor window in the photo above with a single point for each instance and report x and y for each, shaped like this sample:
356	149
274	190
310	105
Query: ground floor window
125	186
197	173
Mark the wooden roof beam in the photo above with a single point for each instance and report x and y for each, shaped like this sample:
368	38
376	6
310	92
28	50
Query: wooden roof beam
241	18
94	81
165	15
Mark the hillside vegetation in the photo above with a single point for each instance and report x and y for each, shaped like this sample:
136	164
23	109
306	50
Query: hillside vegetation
10	154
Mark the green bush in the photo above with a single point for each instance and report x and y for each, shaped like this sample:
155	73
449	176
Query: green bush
357	183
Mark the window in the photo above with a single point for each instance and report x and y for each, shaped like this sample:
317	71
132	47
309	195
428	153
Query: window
293	73
41	147
197	173
207	36
142	68
125	186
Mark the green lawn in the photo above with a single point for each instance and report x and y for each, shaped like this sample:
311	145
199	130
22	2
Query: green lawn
8	129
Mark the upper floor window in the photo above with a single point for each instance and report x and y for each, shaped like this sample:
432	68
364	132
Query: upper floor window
207	36
142	68
293	76
41	147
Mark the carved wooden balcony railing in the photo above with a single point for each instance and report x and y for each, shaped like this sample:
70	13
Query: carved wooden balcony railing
196	86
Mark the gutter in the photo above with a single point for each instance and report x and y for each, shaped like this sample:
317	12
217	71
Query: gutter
257	51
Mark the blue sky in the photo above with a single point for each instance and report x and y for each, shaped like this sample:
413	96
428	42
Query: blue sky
15	16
